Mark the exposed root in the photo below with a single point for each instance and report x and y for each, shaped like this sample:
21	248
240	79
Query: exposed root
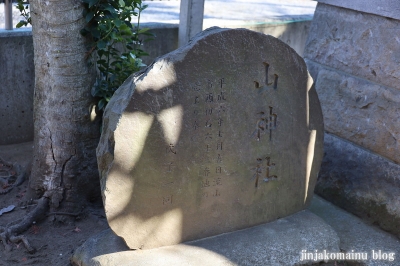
12	234
65	213
24	240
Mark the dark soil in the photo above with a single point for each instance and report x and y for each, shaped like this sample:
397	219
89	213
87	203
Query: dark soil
54	242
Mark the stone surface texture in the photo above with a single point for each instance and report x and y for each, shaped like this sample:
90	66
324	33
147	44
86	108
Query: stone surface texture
16	87
354	58
387	8
355	109
364	45
276	243
361	182
220	135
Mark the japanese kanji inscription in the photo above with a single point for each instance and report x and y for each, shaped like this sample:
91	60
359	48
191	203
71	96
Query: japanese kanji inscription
220	135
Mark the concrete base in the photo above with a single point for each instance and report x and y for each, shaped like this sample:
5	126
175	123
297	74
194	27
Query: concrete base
277	243
381	248
361	182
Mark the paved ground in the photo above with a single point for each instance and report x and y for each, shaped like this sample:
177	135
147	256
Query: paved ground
222	12
234	12
379	248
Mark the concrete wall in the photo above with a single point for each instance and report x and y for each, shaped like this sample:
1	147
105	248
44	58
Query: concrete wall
166	40
354	58
16	86
17	71
294	33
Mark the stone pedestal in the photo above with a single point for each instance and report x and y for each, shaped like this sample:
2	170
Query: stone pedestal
278	243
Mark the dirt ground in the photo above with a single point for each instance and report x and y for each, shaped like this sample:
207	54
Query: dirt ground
55	243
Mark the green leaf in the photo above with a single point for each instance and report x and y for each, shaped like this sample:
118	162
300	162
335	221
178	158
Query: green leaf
101	62
128	24
141	31
118	22
100	53
102	27
101	44
95	90
95	33
84	32
102	104
139	63
92	2
21	23
110	8
89	16
109	23
143	54
123	27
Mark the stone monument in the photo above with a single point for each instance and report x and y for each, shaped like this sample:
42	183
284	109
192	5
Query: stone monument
220	135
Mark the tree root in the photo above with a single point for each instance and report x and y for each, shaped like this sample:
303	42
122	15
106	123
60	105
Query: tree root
65	213
12	234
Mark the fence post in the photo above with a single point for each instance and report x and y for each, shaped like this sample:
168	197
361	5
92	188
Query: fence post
190	19
8	14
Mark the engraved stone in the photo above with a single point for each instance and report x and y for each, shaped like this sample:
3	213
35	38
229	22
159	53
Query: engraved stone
172	170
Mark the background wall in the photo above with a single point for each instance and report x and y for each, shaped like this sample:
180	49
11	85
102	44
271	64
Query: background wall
353	55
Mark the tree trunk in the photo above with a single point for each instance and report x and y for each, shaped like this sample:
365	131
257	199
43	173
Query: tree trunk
66	132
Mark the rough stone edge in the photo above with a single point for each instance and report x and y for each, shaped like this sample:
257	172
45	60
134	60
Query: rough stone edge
387	8
348	173
250	246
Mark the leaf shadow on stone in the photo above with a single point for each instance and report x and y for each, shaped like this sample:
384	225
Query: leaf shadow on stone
155	204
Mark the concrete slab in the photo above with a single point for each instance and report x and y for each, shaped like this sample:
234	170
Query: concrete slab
274	243
357	236
277	243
